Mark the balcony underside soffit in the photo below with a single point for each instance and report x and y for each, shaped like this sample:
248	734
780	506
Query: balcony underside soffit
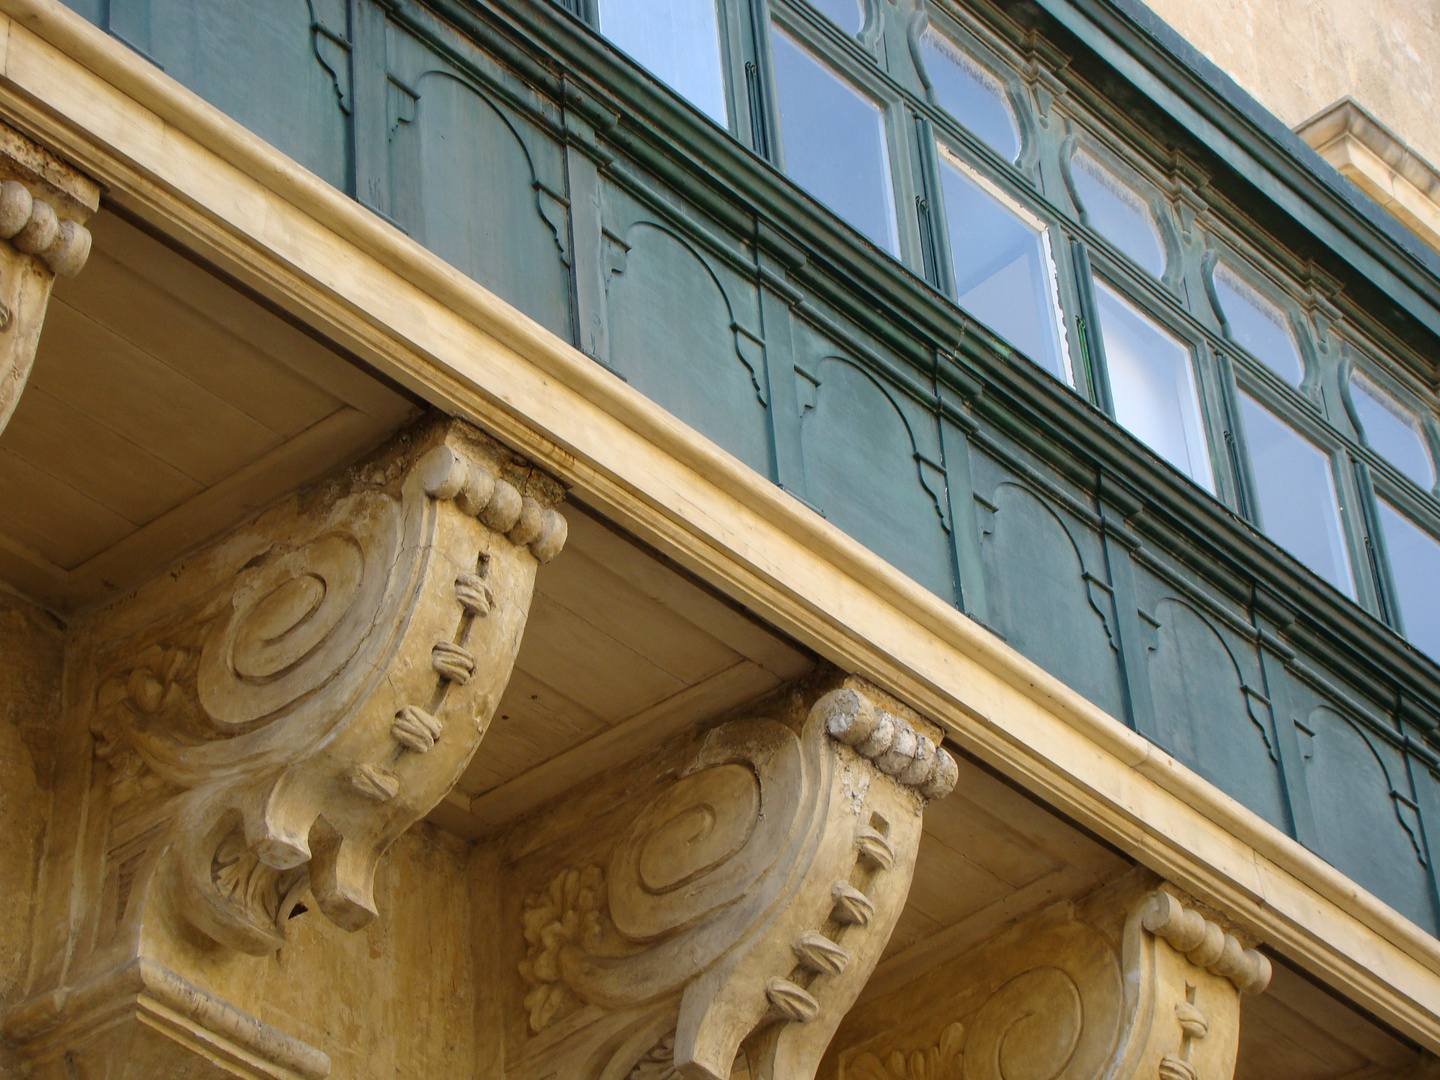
164	406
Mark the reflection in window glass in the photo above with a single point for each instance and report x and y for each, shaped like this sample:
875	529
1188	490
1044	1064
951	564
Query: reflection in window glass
834	141
678	40
849	15
1152	383
1258	326
1415	569
1296	493
1118	213
1002	267
1392	431
971	94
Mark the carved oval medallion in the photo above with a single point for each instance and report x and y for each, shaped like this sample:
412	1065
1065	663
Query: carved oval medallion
283	627
705	819
296	619
1027	1030
703	842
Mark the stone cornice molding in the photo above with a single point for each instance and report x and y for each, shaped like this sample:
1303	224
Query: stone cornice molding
1380	164
44	204
194	1022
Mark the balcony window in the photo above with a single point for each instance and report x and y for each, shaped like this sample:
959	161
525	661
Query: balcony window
834	141
970	94
1117	212
1152	385
678	41
1258	326
849	15
1296	494
1003	271
1415	570
1392	431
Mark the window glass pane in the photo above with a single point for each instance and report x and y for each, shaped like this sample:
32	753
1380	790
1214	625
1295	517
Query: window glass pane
1415	569
1298	508
1392	431
849	15
971	94
1118	213
678	40
834	140
1258	326
1152	382
1003	274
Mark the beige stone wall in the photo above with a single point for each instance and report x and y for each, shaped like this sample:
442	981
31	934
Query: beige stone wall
396	999
31	659
1298	56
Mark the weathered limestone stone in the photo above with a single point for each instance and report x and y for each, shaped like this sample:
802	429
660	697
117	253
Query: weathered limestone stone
31	660
44	204
729	917
1131	984
268	719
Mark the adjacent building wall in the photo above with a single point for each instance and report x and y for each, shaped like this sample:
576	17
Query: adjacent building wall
1298	56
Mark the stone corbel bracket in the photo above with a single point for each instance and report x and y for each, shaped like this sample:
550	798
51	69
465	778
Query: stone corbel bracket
274	713
745	907
1129	984
330	694
1188	974
44	204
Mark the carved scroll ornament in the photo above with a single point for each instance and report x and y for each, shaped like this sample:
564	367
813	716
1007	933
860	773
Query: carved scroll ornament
736	920
328	695
43	207
271	715
1055	1000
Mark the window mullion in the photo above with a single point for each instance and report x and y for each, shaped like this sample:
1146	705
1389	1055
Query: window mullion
1089	341
1376	593
930	210
758	72
1242	481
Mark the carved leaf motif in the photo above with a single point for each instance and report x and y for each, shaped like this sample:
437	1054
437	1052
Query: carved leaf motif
416	729
658	1063
852	906
791	1002
452	661
943	1061
568	912
820	954
245	880
1174	1068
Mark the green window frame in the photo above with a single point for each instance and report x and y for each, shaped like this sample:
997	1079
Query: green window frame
1226	300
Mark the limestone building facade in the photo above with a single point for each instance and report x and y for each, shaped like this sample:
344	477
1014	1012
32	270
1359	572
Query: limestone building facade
719	540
